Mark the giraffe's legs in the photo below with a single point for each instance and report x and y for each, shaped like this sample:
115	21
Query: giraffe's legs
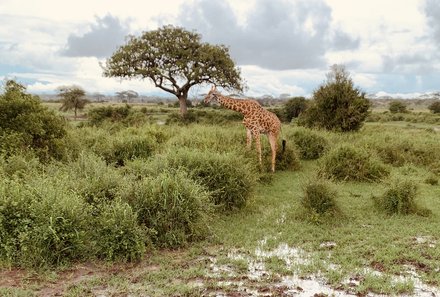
273	146
248	138
258	147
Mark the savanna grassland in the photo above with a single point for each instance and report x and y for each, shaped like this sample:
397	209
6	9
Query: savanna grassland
136	201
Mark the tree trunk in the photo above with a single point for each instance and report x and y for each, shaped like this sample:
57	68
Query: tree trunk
182	104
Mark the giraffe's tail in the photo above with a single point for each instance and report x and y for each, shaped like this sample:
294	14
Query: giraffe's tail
284	145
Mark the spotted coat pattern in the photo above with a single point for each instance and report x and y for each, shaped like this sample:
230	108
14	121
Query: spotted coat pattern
257	120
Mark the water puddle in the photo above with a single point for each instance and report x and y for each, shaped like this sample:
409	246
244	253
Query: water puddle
253	278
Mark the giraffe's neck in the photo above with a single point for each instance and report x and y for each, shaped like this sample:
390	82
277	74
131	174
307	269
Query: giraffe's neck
234	104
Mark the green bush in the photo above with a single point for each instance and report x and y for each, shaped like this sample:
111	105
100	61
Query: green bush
319	199
397	107
230	186
294	107
337	105
206	117
210	138
399	198
93	180
285	160
174	207
19	165
26	124
434	107
350	163
99	115
118	234
16	220
311	145
42	224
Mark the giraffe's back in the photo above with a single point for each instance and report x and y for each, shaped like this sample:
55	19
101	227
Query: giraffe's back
264	121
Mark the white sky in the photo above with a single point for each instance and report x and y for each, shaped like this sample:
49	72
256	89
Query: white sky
281	46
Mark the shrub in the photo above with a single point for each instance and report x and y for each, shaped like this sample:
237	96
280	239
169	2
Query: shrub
285	160
230	185
349	163
399	198
337	105
93	180
319	199
99	115
397	107
210	138
434	107
25	123
294	107
310	144
175	208
20	165
16	219
118	235
61	229
432	180
42	224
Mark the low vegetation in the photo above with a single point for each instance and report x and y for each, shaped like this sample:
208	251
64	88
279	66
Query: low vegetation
191	207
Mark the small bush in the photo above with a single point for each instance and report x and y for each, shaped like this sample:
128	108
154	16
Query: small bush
349	163
229	177
319	199
311	145
25	124
99	115
16	220
432	180
93	180
284	160
294	107
434	107
118	235
397	107
175	208
337	105
399	198
42	224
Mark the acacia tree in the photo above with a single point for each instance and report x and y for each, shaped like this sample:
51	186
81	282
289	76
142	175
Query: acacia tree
72	98
174	59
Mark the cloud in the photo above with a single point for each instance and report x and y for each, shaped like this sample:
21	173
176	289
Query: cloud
432	12
101	41
277	34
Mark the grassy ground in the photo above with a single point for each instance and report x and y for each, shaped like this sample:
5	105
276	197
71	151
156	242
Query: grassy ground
270	248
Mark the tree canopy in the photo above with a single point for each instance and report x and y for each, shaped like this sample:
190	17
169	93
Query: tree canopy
174	59
72	98
338	104
26	124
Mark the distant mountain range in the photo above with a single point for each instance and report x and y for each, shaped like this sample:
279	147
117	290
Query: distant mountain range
422	96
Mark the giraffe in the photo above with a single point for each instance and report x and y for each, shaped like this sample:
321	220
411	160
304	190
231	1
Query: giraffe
257	120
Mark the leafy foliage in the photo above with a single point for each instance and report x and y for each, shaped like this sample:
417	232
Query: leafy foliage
230	186
311	145
337	105
348	163
72	98
320	198
294	107
174	59
399	198
175	208
25	123
434	107
397	107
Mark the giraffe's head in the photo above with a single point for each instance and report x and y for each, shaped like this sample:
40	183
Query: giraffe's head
212	95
